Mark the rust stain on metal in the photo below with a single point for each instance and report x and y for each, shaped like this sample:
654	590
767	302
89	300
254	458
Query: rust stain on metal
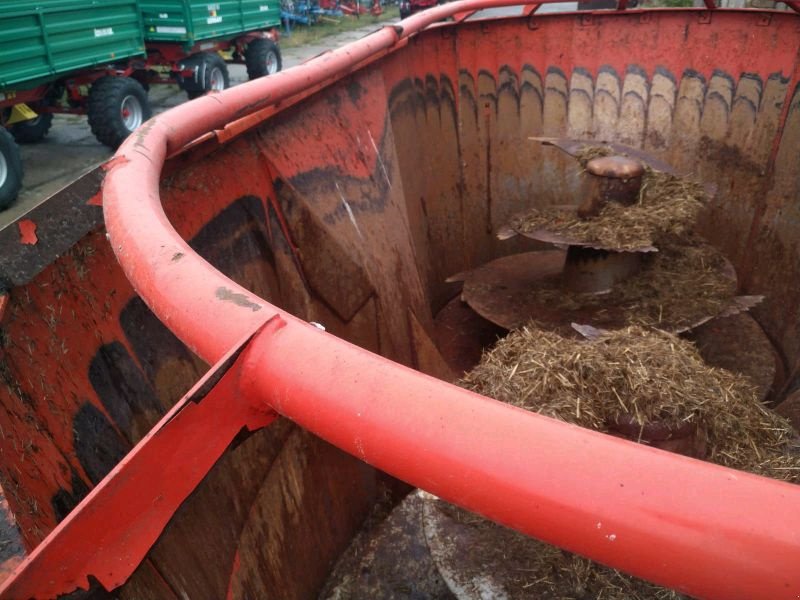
573	146
611	179
27	232
227	295
152	504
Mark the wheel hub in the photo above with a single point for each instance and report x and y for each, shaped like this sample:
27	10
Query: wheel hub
131	112
217	81
272	63
3	170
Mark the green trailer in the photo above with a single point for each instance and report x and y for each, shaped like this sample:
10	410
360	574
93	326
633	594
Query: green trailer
46	38
188	22
197	35
70	56
98	57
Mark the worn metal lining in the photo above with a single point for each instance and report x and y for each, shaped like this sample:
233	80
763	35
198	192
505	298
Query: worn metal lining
437	456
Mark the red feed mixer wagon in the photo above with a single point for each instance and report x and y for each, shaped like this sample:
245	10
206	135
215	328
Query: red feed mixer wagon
243	339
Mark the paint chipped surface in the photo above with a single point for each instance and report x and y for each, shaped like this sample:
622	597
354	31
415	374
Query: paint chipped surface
96	200
360	449
228	295
27	232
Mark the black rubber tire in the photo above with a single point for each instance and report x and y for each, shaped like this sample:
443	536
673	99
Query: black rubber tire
30	132
12	182
105	108
258	55
211	61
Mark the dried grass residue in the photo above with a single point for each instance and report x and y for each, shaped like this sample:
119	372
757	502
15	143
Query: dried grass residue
678	287
687	281
668	206
590	152
653	376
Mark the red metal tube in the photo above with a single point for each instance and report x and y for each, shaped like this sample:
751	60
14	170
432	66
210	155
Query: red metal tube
689	525
137	165
705	530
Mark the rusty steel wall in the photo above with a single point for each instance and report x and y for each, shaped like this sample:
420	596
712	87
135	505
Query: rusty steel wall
398	176
351	209
728	116
88	370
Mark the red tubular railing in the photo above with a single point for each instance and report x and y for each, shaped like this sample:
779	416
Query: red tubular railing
689	525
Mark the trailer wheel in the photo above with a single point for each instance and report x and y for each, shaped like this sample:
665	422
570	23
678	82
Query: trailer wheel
262	57
117	106
213	75
10	169
29	132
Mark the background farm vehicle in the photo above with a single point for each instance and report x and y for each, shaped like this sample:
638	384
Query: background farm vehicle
100	59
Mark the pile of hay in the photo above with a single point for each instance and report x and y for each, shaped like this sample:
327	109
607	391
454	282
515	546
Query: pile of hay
652	375
668	206
587	153
684	284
